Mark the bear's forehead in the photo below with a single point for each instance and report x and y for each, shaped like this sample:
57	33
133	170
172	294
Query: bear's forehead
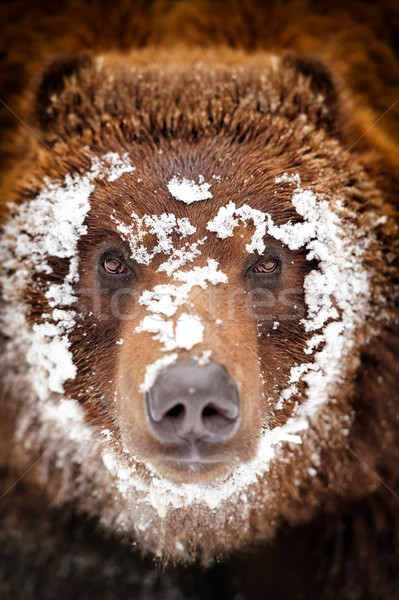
195	181
179	206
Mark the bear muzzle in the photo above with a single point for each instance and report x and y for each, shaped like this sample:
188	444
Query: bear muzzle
194	409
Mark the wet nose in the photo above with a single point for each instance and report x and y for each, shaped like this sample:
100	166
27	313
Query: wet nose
192	403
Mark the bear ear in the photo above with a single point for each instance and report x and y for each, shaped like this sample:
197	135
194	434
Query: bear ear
312	67
49	101
321	82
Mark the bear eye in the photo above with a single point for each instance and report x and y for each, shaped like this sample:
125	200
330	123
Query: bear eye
114	266
266	266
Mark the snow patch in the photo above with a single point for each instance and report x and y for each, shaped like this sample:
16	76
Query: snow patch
49	225
189	331
187	191
155	368
163	301
162	227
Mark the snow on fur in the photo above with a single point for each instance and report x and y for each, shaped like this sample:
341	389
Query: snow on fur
336	296
188	191
50	225
339	286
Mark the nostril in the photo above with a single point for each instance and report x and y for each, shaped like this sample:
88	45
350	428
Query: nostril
209	411
176	411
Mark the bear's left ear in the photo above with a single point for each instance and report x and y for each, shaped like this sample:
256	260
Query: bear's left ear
322	84
58	95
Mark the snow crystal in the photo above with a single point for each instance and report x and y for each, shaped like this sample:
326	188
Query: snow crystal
163	493
165	299
186	190
118	165
292	235
162	226
224	222
111	165
68	414
180	256
184	227
50	225
154	369
201	275
164	330
189	331
204	359
49	352
55	221
293	178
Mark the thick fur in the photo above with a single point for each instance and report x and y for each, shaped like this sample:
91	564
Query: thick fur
334	535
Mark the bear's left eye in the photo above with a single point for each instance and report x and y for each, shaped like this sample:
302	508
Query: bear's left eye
114	266
266	266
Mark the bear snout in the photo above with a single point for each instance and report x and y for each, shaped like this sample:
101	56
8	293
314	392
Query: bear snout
193	407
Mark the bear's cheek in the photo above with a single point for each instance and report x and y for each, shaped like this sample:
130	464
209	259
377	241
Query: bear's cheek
229	342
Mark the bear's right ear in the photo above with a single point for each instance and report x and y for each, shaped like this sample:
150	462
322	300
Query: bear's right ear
57	94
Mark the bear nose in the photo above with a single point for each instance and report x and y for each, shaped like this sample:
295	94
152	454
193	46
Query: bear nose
192	403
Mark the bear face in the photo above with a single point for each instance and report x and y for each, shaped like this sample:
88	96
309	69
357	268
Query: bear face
191	230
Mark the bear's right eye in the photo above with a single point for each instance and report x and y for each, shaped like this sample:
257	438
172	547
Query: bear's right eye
114	266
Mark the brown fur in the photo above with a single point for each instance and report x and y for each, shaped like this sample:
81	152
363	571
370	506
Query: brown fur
183	100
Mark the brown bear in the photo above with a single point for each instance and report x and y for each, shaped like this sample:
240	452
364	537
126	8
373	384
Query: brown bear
198	253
